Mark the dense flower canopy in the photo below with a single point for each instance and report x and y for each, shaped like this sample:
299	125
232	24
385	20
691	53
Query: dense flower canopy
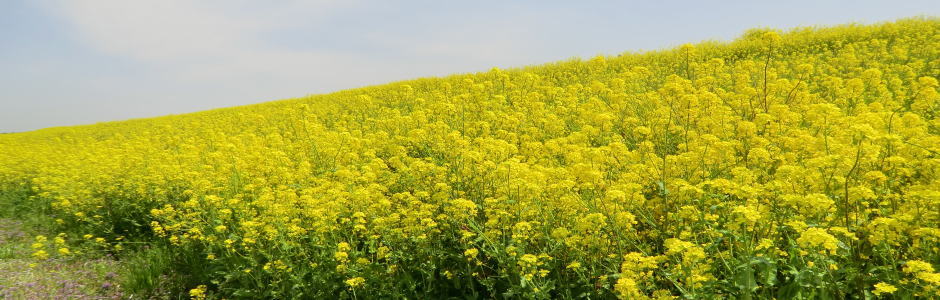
782	164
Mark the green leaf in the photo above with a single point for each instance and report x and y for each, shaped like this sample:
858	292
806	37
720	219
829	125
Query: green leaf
744	280
766	271
790	291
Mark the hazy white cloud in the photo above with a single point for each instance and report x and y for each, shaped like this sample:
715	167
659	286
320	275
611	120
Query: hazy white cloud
179	30
224	42
154	30
194	40
494	42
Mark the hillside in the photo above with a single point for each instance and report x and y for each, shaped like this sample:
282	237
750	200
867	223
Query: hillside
782	164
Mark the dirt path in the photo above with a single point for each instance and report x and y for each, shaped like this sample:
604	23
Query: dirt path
25	277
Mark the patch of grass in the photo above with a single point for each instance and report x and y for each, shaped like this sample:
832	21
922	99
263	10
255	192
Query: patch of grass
27	278
145	271
89	275
13	240
11	250
149	272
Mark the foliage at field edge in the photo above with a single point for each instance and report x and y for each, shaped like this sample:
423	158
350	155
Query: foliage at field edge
799	164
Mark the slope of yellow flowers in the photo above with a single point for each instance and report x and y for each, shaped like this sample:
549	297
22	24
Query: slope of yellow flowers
783	164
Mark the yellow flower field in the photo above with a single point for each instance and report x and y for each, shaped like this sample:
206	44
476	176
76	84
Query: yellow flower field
797	164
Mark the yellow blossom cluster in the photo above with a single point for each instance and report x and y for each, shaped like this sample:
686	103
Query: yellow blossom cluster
779	165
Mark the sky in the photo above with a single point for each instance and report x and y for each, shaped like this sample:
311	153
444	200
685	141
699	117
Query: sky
71	62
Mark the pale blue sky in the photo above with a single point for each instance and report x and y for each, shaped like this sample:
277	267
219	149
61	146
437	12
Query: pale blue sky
69	62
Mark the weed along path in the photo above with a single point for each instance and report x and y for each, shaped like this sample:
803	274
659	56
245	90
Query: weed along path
23	275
